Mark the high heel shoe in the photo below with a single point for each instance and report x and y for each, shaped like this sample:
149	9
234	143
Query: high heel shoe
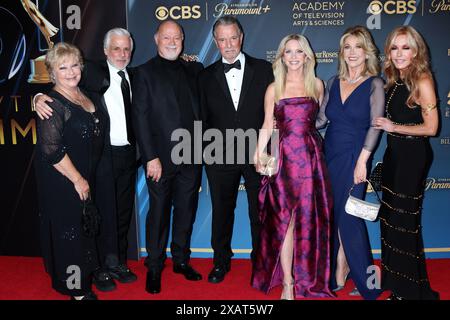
354	292
288	291
394	297
340	287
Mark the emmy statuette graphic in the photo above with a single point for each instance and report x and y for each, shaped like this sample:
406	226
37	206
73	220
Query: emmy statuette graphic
39	72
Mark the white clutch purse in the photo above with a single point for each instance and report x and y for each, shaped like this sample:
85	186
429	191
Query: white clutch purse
360	208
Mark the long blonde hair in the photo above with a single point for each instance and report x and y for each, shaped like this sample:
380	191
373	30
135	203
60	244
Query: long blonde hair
280	69
372	66
417	69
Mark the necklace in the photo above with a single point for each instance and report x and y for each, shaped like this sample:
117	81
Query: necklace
80	100
353	81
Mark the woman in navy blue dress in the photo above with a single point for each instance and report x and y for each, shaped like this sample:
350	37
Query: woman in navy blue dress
353	99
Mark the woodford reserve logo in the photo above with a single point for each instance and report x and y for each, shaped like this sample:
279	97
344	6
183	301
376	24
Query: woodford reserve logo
318	13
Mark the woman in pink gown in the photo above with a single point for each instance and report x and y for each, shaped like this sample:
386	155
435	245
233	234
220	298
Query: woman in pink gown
295	204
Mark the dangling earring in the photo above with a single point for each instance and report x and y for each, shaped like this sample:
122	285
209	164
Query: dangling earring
52	77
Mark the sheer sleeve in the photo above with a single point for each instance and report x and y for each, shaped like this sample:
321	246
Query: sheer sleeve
321	120
376	110
50	133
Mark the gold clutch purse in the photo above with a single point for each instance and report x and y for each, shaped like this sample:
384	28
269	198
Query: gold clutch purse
269	164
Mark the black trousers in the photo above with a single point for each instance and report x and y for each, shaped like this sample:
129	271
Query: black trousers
107	241
224	183
178	189
124	172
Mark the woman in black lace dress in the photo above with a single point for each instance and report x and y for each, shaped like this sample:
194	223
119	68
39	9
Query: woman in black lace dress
411	118
68	148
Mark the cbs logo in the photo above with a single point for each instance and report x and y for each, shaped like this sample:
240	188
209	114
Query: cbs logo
393	7
178	12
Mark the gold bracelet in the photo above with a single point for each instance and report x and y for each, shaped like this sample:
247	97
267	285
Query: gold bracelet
428	108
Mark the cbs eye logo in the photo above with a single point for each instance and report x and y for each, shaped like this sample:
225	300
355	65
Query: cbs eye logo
393	7
178	12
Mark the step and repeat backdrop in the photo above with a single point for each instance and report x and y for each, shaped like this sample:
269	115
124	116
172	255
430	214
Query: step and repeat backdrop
265	23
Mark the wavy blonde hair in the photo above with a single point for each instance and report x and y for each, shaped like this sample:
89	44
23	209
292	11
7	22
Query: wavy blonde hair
417	69
372	65
280	69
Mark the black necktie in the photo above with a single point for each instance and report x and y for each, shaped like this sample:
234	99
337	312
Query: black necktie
125	86
228	66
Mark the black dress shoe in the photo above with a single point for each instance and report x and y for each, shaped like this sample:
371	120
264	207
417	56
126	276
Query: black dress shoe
122	274
88	296
153	283
218	273
103	281
188	272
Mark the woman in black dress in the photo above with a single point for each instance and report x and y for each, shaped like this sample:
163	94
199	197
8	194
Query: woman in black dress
68	148
411	117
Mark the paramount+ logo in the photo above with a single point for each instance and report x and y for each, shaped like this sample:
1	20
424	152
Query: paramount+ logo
393	7
178	12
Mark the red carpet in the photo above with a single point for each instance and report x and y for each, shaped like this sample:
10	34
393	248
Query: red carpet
25	279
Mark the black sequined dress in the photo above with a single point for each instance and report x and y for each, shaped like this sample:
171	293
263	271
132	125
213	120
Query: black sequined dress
69	256
405	166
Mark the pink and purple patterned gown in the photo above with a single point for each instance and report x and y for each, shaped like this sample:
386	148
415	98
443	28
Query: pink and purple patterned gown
300	188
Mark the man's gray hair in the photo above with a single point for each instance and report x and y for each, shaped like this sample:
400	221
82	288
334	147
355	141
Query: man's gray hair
116	32
226	21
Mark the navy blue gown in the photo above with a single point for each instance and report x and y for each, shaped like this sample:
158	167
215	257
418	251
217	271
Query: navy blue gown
349	131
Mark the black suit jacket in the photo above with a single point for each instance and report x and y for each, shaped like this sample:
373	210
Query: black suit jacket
217	107
155	111
94	82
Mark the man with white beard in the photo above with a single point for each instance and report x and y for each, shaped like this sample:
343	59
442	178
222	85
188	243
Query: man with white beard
166	100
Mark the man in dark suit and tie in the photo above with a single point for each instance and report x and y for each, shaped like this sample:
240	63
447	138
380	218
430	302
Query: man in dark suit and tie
165	101
232	97
107	84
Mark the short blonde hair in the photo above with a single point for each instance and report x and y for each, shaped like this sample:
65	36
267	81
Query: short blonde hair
372	65
60	51
280	69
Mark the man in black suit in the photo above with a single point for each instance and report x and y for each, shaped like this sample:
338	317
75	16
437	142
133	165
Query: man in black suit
107	84
166	101
232	97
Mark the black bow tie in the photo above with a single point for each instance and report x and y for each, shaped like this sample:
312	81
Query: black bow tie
228	66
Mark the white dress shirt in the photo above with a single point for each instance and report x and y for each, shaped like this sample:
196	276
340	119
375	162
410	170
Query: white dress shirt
234	79
116	110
